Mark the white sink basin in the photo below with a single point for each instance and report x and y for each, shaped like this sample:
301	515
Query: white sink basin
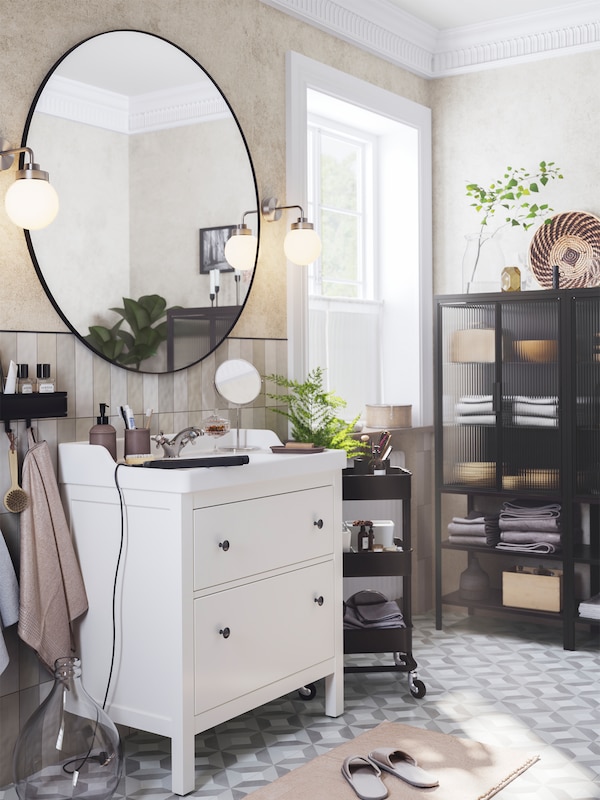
91	465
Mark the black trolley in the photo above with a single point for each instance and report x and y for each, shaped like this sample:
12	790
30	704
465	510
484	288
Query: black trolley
394	485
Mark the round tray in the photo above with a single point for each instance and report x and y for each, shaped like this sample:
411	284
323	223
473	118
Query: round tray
571	241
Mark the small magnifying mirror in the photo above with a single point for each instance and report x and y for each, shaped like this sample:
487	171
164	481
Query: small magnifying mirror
239	382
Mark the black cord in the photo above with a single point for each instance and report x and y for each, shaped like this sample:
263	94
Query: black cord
114	596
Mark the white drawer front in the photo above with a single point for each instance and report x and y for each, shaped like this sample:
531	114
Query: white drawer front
242	539
276	627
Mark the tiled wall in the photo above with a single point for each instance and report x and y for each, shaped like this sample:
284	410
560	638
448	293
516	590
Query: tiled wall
180	399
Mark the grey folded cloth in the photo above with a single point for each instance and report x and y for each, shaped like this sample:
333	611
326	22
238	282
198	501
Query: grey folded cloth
467	529
457	538
534	547
472	518
549	524
372	609
516	509
530	536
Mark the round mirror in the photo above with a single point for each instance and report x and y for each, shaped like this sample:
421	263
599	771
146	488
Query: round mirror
238	381
152	171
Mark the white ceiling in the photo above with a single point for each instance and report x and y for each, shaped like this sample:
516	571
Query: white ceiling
447	14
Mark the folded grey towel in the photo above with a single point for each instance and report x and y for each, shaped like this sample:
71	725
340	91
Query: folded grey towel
514	509
551	525
457	538
534	547
467	530
530	536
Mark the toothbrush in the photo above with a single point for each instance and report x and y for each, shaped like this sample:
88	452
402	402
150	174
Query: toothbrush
149	412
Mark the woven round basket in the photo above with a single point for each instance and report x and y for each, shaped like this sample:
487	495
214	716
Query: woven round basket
572	242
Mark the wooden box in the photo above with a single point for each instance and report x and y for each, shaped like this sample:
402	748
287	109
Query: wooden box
538	592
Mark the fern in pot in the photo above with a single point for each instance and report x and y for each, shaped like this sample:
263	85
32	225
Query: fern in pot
312	412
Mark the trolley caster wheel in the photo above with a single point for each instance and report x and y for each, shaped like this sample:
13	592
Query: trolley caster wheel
417	689
308	692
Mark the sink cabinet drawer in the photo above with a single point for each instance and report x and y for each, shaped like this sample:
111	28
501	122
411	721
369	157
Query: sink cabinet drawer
239	540
248	637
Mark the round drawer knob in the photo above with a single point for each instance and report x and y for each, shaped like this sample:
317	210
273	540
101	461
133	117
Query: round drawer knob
224	545
319	600
318	523
225	633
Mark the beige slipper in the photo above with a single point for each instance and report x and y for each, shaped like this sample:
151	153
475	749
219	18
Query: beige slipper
403	766
364	777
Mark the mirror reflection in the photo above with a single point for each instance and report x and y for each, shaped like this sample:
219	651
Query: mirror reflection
152	170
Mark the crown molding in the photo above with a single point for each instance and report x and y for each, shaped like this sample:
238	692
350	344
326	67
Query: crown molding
79	102
400	38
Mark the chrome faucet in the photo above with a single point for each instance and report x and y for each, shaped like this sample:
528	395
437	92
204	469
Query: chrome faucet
173	447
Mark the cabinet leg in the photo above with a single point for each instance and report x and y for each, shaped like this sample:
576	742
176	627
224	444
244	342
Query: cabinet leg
183	765
334	694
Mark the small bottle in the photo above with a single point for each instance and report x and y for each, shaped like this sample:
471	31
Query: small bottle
371	537
363	539
45	383
104	434
25	384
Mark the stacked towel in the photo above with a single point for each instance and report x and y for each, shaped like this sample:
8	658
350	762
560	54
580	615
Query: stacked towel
536	411
476	409
369	609
530	528
9	599
590	608
476	528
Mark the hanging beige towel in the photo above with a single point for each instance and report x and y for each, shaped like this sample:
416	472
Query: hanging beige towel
52	592
9	599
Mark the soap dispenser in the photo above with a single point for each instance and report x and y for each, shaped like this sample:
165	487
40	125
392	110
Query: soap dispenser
103	433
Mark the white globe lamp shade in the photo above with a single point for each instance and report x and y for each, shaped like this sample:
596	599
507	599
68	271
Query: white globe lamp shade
31	203
240	250
302	244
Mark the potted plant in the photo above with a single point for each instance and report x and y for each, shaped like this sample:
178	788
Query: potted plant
130	347
312	413
507	201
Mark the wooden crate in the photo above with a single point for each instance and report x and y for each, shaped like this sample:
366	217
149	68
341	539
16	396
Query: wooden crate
538	592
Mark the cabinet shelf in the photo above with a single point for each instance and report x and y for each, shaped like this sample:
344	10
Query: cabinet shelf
356	565
542	442
32	406
494	602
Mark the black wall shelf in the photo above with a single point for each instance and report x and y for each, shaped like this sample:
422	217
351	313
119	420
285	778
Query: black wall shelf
32	406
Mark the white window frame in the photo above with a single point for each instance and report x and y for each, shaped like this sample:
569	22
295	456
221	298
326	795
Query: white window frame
304	73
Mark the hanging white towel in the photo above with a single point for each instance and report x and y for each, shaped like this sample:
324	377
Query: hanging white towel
51	586
9	599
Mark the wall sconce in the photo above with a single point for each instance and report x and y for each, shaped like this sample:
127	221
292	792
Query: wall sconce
302	244
31	202
240	248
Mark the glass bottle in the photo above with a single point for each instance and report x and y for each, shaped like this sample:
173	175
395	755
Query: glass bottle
45	382
25	384
69	747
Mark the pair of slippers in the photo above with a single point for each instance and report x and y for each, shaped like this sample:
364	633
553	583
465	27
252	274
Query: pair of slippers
364	774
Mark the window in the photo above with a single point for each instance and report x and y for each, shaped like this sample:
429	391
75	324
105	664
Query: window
359	156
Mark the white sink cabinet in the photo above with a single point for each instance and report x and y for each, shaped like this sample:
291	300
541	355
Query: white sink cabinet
228	593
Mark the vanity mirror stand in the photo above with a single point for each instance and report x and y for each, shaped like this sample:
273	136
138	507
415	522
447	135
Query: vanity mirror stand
239	382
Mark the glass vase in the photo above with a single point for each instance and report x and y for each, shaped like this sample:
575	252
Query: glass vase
482	264
69	747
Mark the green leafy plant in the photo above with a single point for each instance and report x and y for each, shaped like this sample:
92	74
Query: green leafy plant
130	347
311	411
508	200
510	196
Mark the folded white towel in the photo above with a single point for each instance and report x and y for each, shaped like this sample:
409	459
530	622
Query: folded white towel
485	407
535	409
519	398
476	419
533	421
